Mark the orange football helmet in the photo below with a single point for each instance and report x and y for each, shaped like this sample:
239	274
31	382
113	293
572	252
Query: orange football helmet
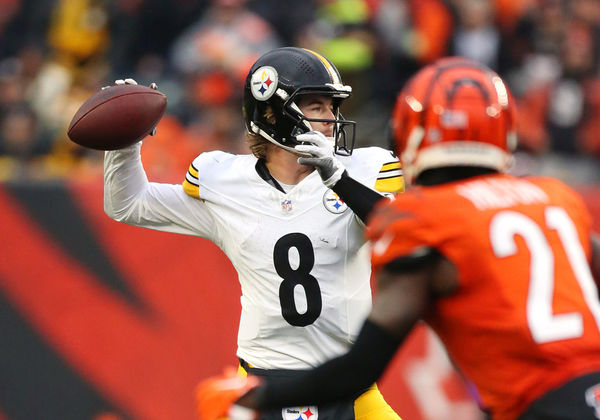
454	112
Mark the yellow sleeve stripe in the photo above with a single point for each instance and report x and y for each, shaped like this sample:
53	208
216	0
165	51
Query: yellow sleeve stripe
190	183
392	185
193	171
390	178
191	189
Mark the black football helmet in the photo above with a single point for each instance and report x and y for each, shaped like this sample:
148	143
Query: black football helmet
276	80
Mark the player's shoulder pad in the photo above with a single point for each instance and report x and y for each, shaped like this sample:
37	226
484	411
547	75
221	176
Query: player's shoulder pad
379	164
559	191
549	183
203	167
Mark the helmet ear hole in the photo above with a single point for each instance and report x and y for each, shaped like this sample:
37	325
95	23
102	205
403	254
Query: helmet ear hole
269	115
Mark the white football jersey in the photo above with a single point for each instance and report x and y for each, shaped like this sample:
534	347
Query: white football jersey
301	256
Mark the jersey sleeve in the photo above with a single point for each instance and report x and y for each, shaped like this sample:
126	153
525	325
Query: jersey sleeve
130	198
389	178
203	170
376	168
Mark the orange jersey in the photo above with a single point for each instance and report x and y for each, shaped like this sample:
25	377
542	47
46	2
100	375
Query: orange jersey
526	316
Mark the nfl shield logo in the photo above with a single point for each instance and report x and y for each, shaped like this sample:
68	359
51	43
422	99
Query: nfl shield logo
286	205
592	398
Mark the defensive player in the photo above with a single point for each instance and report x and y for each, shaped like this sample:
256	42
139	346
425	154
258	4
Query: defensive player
504	272
299	250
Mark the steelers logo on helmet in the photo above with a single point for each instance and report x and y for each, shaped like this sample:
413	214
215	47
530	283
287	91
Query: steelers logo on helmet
334	203
263	83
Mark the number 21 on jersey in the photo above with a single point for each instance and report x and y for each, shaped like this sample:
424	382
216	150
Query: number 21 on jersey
544	324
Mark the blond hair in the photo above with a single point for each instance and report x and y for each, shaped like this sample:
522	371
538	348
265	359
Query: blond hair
259	145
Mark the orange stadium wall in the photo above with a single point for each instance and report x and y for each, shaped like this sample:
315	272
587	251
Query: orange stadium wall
103	321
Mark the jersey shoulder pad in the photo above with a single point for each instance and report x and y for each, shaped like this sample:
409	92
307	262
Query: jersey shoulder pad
380	165
562	195
203	167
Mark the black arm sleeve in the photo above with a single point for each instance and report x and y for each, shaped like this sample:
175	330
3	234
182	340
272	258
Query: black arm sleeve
360	198
422	258
341	378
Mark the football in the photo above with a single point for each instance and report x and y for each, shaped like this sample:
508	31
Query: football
117	116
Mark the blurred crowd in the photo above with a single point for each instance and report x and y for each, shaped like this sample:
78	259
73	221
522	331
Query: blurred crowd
54	54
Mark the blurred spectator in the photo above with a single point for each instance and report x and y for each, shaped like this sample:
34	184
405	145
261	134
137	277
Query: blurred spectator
9	9
23	139
54	54
19	135
67	158
285	17
476	35
564	115
509	12
143	31
228	37
49	81
544	26
341	32
211	59
534	47
78	30
419	30
586	11
411	34
23	24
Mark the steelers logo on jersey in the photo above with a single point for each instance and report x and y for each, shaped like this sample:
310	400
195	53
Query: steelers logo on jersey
263	83
333	202
300	413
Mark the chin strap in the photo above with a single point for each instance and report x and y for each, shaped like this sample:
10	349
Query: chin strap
257	130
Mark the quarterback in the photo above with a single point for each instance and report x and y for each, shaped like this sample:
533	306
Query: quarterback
506	275
289	216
